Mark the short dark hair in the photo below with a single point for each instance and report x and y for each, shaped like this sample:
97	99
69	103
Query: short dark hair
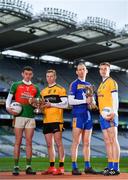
27	68
105	63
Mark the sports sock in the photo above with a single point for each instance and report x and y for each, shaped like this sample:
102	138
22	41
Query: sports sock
16	162
52	163
116	166
110	164
28	162
74	165
87	164
61	163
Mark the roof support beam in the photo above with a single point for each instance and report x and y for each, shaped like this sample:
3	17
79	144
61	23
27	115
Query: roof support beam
40	39
118	50
83	44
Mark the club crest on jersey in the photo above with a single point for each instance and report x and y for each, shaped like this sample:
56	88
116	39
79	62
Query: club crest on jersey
54	91
81	86
49	91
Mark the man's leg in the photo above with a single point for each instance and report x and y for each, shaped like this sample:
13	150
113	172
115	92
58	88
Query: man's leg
86	138
76	137
18	139
60	147
29	132
109	151
59	143
113	133
108	146
51	150
51	153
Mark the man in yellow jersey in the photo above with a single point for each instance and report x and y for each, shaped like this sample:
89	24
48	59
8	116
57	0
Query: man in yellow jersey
108	97
56	99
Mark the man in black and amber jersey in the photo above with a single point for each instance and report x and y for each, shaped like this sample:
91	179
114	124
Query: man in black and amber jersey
55	101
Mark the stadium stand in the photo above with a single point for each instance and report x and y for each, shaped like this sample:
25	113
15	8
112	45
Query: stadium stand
40	149
56	32
65	75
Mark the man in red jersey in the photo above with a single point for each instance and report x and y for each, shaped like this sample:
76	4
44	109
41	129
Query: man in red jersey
22	91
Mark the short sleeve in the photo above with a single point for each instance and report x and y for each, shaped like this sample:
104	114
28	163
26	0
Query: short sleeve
13	88
38	92
113	86
72	89
42	93
63	92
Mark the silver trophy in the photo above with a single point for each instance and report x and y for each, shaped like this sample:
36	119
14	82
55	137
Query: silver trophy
36	102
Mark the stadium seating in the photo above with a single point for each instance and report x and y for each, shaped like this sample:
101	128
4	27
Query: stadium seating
65	75
10	71
40	149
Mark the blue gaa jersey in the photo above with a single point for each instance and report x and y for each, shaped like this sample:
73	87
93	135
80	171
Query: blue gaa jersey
77	88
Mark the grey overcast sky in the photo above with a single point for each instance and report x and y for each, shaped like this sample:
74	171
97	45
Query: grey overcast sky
115	10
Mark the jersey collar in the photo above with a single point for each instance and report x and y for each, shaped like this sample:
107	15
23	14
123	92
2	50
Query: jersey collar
81	80
51	85
105	79
27	83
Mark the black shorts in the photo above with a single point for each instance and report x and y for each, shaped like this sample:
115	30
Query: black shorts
53	127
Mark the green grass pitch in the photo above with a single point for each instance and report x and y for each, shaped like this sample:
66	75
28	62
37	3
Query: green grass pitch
40	163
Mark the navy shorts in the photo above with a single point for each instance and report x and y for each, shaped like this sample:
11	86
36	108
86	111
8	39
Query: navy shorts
52	127
82	121
107	124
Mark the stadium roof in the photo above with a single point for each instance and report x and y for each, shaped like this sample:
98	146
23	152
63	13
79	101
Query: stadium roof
56	32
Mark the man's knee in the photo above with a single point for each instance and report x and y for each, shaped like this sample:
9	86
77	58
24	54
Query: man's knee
28	142
49	144
18	141
107	140
75	143
59	142
86	144
114	140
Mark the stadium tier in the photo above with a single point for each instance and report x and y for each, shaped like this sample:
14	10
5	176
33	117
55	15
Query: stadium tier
40	149
10	68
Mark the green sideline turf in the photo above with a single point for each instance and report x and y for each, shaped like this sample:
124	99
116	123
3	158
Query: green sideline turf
6	164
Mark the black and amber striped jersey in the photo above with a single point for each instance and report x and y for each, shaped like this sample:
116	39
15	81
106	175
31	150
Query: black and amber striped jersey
53	94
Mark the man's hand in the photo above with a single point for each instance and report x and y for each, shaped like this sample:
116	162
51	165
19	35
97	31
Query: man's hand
10	110
47	105
89	100
110	117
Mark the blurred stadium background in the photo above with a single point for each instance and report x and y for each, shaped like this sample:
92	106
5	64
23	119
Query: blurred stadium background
55	39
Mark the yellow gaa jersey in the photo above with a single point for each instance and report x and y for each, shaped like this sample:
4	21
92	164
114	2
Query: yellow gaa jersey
53	94
105	93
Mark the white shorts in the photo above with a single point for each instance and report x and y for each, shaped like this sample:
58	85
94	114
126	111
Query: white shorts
23	122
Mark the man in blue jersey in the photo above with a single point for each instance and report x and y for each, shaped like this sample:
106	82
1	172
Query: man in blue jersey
82	121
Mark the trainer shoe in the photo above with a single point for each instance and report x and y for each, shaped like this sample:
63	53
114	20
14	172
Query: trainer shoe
29	171
90	170
112	172
59	171
50	170
76	172
105	171
15	171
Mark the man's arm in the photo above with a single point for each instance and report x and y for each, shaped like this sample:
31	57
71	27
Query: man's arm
62	104
8	103
115	102
9	100
73	101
